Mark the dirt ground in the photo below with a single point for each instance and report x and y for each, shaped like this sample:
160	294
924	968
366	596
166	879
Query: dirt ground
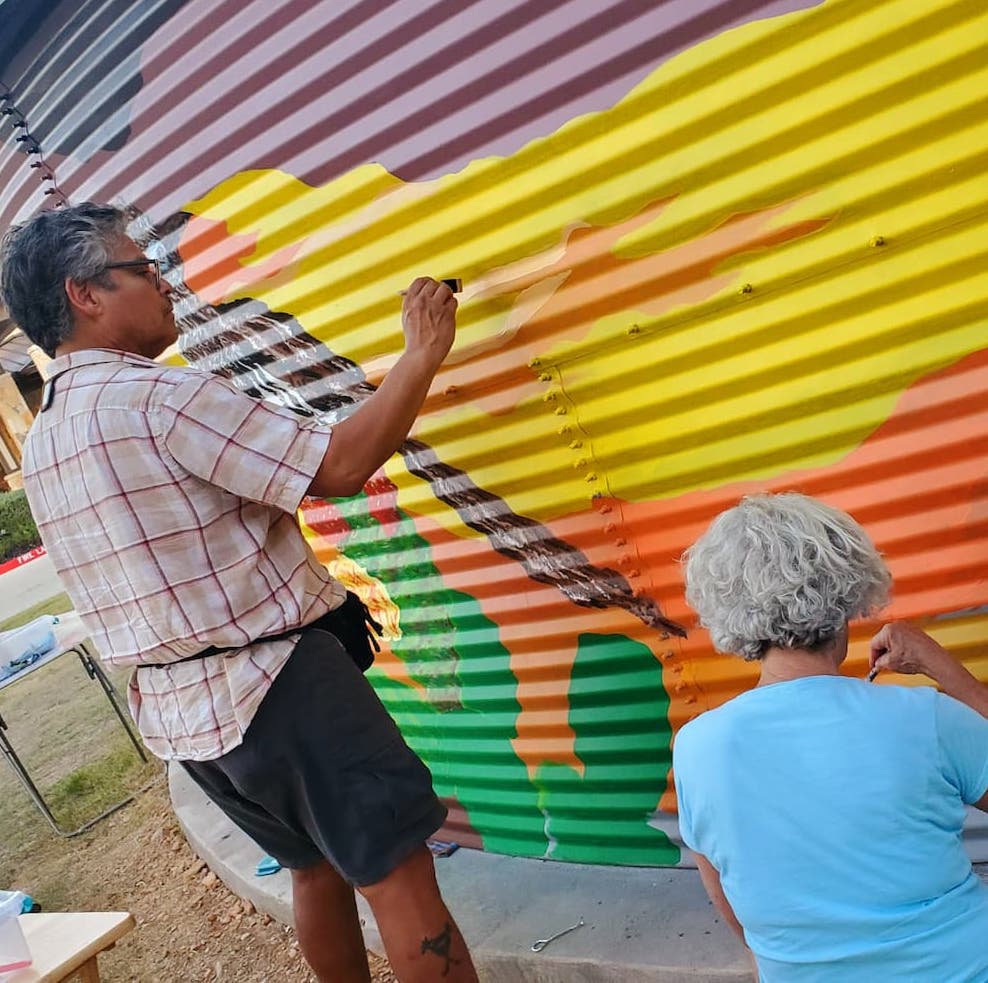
190	928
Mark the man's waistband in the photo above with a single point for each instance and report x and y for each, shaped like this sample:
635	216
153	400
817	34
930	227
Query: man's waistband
351	622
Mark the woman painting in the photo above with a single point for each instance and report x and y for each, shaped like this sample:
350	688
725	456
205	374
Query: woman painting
826	811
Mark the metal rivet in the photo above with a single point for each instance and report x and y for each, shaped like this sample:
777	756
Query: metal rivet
604	508
560	411
564	429
451	390
590	477
620	542
877	241
549	397
634	329
574	444
746	288
535	363
609	527
580	462
545	377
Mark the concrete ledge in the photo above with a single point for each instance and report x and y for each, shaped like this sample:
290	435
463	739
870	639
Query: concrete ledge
643	924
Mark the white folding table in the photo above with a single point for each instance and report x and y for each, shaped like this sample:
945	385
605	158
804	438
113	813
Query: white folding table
72	638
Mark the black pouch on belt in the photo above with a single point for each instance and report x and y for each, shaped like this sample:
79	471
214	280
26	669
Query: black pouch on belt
355	627
352	623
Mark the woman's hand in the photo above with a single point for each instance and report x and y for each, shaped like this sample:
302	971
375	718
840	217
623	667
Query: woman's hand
901	647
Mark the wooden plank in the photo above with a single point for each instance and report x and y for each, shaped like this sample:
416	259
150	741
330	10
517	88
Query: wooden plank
89	972
61	943
15	417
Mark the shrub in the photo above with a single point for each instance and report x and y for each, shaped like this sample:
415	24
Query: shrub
18	533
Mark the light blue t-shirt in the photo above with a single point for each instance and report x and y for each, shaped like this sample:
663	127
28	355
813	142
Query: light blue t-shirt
832	809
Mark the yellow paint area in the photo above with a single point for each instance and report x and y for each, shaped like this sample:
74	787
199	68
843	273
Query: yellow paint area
735	271
373	593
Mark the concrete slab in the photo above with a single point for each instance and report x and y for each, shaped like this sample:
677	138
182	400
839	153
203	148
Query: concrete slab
643	925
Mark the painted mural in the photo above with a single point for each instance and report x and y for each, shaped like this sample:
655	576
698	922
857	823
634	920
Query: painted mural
706	249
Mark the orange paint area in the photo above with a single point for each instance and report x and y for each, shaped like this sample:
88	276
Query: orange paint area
214	260
924	528
323	524
559	295
931	532
587	280
538	626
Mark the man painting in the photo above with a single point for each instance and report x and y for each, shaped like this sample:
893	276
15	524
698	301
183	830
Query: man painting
166	499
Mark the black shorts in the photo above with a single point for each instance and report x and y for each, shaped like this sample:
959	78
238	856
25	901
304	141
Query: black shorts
323	772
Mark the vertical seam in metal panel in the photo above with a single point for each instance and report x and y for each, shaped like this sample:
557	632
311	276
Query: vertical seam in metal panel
30	146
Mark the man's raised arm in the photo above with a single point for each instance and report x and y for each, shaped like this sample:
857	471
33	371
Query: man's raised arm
367	438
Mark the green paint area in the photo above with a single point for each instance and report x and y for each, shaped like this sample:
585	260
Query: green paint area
619	713
464	723
402	560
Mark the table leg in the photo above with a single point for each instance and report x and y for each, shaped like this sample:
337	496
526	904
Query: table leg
88	972
32	790
95	671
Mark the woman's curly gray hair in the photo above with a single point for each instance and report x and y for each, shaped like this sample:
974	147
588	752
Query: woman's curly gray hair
782	570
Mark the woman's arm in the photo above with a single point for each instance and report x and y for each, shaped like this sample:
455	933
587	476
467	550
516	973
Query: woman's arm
711	881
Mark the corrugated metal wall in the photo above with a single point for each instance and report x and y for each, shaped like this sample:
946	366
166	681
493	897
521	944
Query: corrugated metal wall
706	247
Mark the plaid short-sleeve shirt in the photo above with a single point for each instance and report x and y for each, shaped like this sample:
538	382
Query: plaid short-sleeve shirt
166	500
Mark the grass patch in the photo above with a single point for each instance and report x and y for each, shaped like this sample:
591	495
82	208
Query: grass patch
59	604
93	788
68	737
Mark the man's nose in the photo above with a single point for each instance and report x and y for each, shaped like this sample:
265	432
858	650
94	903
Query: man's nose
165	287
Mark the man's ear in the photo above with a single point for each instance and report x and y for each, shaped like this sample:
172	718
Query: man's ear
83	298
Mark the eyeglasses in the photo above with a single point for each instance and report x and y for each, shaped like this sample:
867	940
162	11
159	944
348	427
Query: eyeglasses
155	264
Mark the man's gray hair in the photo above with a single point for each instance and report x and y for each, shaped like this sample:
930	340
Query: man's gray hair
36	259
782	570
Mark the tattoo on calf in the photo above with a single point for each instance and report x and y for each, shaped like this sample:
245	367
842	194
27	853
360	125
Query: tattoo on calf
440	946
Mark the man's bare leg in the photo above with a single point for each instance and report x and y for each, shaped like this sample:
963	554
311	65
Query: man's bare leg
327	925
422	940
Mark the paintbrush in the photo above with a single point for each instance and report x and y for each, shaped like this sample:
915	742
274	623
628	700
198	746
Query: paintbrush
454	283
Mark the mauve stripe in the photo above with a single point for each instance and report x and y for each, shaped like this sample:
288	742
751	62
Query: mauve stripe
463	84
233	105
563	92
216	104
625	59
473	105
262	111
393	79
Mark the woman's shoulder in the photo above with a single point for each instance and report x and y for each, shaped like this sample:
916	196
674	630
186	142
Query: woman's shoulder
708	723
805	694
